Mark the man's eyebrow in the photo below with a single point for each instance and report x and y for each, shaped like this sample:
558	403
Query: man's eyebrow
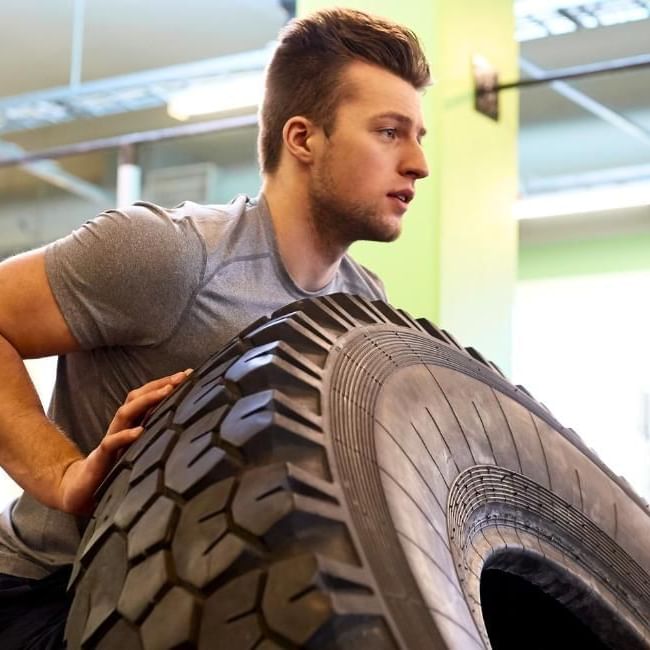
402	119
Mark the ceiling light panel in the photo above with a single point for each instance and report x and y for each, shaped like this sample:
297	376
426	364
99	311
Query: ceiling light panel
535	19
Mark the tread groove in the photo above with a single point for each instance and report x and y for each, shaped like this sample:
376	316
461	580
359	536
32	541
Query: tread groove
444	441
460	426
512	435
450	580
582	501
487	436
444	540
541	444
410	460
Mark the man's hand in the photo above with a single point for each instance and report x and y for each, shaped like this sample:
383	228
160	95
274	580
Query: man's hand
83	476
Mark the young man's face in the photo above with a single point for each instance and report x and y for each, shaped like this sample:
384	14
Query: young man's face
364	173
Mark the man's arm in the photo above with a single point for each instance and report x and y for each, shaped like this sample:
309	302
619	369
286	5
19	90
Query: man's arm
39	457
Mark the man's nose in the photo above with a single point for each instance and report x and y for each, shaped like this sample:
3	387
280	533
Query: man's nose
415	164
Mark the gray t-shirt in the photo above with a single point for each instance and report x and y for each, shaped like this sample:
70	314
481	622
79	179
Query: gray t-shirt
149	291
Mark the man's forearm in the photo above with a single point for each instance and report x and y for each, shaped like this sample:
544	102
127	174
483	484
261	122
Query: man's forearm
32	450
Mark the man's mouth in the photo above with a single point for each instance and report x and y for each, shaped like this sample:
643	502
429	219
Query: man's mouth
405	196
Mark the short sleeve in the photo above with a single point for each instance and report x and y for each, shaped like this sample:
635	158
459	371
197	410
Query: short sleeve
126	277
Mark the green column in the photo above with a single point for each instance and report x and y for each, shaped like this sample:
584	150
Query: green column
456	261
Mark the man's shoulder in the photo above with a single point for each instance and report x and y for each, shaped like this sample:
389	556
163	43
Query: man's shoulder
234	209
216	222
207	225
143	213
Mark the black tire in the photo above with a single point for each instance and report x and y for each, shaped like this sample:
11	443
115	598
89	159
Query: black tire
343	476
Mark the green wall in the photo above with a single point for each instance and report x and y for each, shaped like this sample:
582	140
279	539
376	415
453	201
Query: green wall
455	262
585	257
478	179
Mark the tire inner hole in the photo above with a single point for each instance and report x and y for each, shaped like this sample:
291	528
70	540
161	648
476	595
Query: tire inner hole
519	613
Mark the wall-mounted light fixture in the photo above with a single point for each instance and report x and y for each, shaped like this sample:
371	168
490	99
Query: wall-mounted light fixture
232	93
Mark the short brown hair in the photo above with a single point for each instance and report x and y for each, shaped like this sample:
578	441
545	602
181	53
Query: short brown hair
303	77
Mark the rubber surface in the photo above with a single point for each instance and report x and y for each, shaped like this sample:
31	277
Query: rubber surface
338	477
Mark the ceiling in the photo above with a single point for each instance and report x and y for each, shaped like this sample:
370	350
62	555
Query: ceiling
122	37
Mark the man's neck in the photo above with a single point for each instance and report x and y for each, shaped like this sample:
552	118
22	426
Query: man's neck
310	261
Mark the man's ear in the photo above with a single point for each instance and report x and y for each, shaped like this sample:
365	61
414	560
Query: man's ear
299	138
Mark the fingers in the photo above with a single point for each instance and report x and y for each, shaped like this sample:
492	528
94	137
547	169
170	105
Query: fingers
103	457
157	384
113	443
131	412
141	400
82	477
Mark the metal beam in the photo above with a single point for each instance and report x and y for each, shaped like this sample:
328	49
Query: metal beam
76	55
589	104
576	72
115	142
51	172
487	86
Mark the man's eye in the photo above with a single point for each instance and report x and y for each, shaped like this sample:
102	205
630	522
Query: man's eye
391	134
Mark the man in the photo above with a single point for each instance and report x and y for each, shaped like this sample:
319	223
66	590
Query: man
139	293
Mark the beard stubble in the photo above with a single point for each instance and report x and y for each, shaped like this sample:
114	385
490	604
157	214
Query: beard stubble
339	220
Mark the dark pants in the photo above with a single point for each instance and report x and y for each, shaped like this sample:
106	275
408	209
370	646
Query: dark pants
33	612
